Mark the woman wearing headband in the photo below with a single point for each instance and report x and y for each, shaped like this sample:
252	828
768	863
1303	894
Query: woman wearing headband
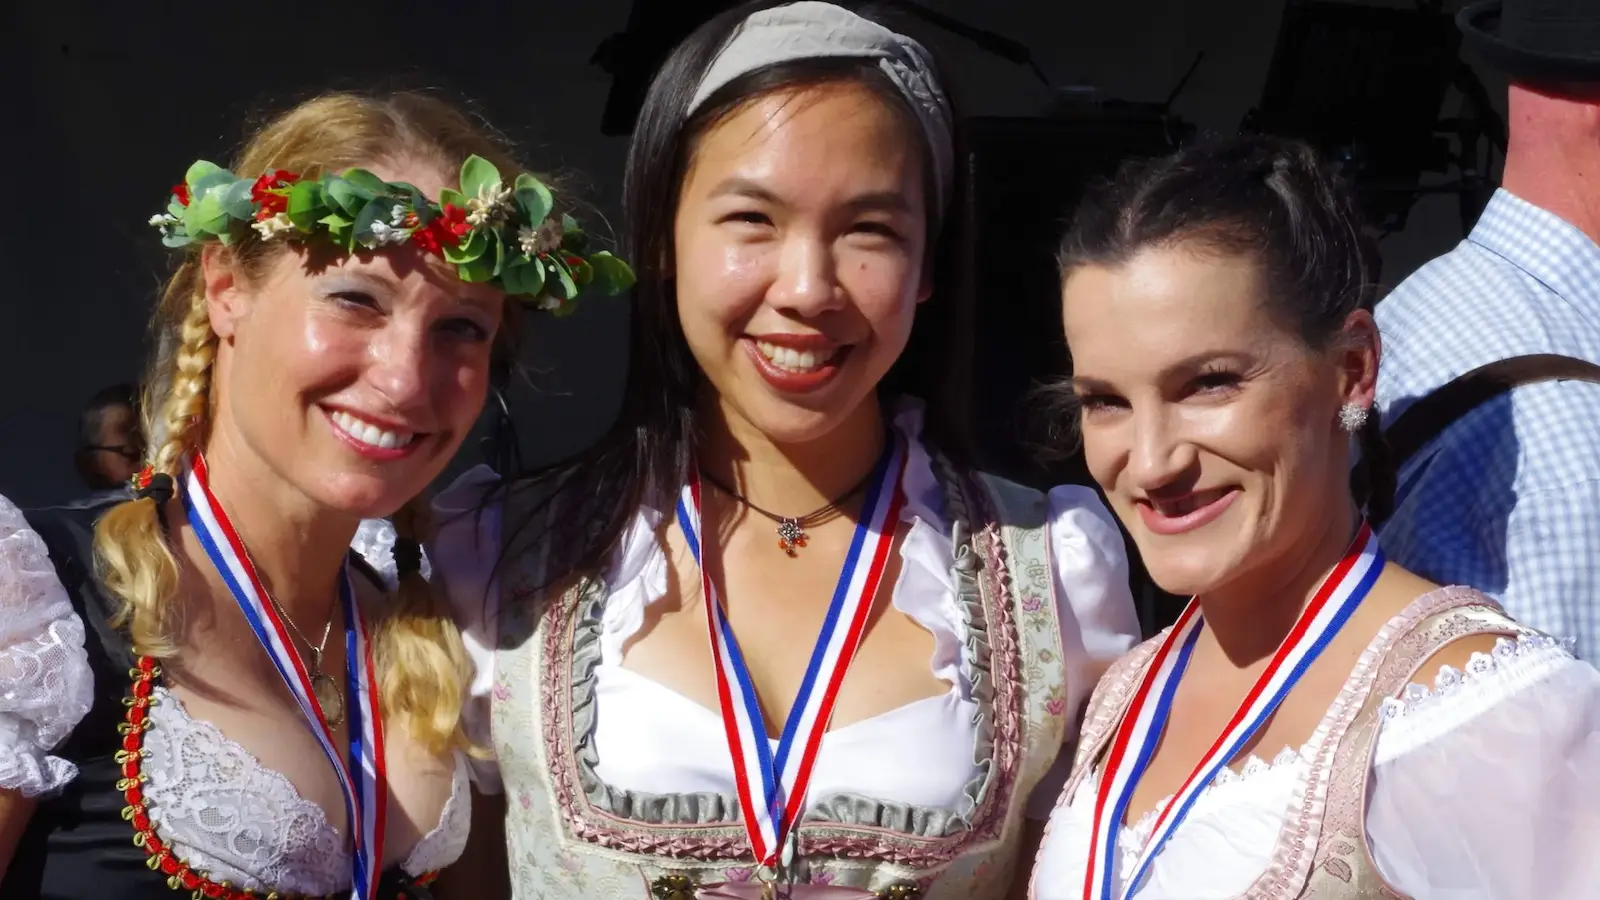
771	636
1318	723
203	693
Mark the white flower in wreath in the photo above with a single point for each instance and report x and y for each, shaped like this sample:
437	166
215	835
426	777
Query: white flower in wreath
491	205
271	228
164	222
387	234
544	239
374	540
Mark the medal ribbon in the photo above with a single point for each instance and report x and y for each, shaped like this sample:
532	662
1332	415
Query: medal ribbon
1140	730
783	778
365	794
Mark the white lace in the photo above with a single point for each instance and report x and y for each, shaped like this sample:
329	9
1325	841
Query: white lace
46	685
1459	696
1131	840
238	821
1492	679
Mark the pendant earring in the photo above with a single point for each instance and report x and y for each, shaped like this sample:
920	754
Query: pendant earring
1352	418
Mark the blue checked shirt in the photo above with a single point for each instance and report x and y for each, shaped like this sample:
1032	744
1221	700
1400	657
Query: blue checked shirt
1506	500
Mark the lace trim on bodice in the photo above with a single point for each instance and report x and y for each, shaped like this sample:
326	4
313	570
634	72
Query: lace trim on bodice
1131	839
1458	696
229	816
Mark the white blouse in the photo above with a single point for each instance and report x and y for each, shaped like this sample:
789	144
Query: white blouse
1485	787
219	808
920	753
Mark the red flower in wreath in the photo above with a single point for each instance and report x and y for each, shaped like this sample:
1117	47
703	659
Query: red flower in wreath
427	240
267	193
181	191
444	230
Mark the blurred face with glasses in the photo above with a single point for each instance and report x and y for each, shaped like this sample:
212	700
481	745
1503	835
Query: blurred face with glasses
111	449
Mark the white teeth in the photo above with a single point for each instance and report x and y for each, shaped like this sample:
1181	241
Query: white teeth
792	360
1172	509
370	434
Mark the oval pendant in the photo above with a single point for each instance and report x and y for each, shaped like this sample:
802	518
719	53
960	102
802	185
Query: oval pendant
329	698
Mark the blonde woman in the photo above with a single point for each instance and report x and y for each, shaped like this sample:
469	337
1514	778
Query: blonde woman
201	688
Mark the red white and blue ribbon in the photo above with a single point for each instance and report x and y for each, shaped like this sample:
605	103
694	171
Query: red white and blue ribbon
1142	726
361	770
772	783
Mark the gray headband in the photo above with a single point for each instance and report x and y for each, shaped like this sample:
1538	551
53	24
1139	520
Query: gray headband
814	30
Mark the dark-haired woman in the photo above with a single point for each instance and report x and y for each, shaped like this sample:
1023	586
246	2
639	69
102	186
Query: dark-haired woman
1318	723
771	637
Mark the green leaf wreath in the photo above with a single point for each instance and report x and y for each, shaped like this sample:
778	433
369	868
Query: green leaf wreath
494	233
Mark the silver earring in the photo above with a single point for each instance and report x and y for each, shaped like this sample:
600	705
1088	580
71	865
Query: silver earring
1352	418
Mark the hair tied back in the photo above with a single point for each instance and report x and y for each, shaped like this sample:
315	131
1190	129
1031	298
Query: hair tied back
407	557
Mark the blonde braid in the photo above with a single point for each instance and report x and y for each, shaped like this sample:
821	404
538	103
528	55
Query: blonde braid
419	650
136	564
422	664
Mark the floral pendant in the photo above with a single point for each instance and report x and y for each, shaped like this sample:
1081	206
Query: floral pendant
791	536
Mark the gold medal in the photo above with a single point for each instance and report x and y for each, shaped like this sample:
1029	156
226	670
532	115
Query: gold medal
329	698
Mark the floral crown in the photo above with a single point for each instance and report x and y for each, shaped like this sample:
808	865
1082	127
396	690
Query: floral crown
492	232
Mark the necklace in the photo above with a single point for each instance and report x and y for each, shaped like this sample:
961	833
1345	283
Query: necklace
323	686
792	529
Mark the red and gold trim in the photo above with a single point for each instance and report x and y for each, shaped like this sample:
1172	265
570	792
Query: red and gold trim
159	856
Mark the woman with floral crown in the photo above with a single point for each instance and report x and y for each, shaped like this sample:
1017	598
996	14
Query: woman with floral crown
203	691
773	635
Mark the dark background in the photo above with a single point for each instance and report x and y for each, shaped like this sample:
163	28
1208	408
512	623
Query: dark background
109	103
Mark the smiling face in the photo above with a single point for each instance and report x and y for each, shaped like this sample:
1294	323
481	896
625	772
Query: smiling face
1209	422
355	383
799	240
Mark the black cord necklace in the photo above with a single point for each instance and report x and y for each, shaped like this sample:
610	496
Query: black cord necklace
792	529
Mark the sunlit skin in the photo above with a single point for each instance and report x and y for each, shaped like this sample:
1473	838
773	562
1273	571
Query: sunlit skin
802	224
802	219
1211	425
393	338
1213	428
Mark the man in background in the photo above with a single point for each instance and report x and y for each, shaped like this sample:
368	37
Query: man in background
110	448
1502	492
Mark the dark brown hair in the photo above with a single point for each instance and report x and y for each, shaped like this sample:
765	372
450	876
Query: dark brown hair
646	452
1267	198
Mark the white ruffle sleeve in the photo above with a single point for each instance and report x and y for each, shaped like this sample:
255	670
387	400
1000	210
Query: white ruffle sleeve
374	540
463	553
46	685
1491	791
